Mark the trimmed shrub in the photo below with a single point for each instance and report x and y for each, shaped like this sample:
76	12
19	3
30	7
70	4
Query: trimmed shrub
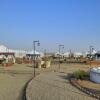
19	61
80	74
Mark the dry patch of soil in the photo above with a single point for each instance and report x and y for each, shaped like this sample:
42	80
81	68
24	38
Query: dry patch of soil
89	84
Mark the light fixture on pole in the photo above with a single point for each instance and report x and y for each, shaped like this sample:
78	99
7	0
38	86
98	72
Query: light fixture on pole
60	47
34	53
91	49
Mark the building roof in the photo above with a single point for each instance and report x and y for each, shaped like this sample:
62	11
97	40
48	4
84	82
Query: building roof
3	48
32	52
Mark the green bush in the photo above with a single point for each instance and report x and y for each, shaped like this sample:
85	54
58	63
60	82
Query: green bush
80	74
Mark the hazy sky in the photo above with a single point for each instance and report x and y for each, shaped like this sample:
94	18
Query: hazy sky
74	23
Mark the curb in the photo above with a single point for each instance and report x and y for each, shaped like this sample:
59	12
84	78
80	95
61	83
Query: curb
28	84
85	90
24	89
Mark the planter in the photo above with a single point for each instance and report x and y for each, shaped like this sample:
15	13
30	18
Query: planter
95	75
48	63
38	64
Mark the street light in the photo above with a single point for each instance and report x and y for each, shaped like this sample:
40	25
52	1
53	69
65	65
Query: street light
91	48
60	47
34	44
45	57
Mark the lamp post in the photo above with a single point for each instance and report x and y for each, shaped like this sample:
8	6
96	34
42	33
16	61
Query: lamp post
45	57
91	48
34	45
60	47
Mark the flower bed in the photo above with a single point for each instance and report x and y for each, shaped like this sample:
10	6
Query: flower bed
85	85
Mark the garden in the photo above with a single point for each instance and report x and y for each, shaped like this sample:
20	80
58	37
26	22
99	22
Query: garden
81	80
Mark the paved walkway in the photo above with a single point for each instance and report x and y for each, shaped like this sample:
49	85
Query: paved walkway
53	86
13	80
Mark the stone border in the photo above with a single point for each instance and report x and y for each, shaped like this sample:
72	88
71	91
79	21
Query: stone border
26	97
85	90
24	90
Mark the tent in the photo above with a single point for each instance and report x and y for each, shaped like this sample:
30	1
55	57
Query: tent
78	54
67	54
32	52
3	48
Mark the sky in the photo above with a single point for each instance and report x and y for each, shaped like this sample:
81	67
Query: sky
73	23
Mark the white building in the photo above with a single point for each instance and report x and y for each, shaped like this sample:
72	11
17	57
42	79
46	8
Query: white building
20	53
17	53
78	54
3	48
67	54
59	54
